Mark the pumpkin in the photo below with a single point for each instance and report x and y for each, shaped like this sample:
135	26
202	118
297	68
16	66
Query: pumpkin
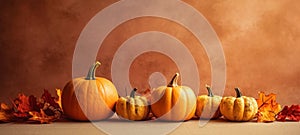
208	105
239	108
173	102
89	98
133	107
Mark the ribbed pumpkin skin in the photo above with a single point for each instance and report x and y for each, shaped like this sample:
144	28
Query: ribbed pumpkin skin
95	98
173	103
130	108
208	107
240	108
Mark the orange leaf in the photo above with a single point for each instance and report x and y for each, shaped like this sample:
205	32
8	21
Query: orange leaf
58	101
41	117
263	99
268	107
5	113
265	116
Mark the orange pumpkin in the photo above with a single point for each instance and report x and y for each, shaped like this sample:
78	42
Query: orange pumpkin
89	98
173	102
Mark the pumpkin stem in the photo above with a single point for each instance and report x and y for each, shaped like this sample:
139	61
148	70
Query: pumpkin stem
238	92
173	82
92	71
210	94
132	94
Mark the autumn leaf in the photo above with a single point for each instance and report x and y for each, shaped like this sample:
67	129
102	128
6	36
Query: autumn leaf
291	113
58	101
49	99
22	106
41	117
22	103
266	115
5	113
267	107
44	109
33	103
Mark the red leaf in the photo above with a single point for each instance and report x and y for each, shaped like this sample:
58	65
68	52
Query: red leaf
291	113
49	99
45	109
33	103
22	103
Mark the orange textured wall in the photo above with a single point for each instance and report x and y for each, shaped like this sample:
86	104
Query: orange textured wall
259	38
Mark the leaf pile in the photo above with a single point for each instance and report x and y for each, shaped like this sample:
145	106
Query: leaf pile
268	107
291	113
29	108
5	113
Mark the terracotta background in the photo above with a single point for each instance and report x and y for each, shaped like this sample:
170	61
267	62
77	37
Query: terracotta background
260	41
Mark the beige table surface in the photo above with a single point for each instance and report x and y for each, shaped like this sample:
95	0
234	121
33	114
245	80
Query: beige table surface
192	127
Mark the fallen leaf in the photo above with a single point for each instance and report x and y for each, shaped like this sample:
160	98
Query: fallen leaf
22	106
45	109
40	117
267	107
5	113
291	113
58	101
49	99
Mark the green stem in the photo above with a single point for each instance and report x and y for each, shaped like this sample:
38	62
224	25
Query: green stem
132	94
238	92
173	82
92	71
210	94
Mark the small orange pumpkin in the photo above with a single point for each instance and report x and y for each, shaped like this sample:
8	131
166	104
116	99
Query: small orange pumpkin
89	98
173	102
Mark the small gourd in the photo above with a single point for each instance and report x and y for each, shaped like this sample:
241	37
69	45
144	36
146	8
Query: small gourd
133	107
208	105
239	108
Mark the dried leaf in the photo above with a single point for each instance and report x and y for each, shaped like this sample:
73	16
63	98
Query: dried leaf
22	106
268	107
33	103
266	116
49	99
4	107
291	113
51	107
22	103
44	109
5	113
58	101
4	117
41	117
